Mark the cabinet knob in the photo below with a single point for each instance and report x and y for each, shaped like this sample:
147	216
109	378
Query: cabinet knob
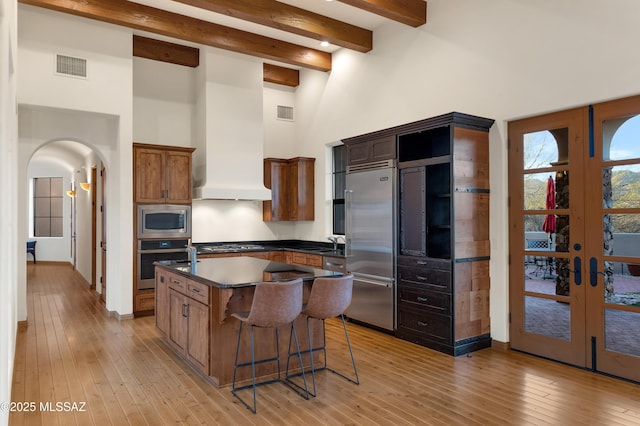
423	324
421	278
422	299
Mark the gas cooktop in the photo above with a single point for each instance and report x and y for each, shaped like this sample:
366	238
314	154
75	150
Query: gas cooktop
231	247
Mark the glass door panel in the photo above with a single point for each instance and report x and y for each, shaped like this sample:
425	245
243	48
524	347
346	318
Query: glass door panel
614	284
545	313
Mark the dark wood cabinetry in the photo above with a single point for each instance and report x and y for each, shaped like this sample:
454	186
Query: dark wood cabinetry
368	151
292	189
182	316
162	174
443	220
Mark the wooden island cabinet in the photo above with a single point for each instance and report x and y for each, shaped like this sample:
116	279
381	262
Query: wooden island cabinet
193	312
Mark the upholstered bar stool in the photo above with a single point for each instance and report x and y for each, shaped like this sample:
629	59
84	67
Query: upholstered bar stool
275	304
329	298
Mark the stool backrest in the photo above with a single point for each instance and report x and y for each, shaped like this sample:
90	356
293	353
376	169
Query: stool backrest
330	296
276	303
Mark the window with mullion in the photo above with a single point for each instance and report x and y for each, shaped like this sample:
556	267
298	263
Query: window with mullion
339	185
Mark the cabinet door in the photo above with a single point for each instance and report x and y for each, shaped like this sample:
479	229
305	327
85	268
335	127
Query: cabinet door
162	301
178	321
198	335
413	221
276	179
178	177
302	188
383	148
149	175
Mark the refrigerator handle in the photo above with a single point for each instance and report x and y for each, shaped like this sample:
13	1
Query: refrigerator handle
347	225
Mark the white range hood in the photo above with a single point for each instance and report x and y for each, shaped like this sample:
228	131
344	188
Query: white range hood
228	161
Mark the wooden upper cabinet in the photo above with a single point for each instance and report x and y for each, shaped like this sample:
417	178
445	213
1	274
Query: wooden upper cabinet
292	189
369	151
162	174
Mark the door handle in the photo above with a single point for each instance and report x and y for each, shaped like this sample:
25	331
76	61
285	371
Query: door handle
577	264
593	271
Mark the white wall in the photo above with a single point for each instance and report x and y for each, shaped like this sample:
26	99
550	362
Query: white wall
163	103
96	111
500	59
9	256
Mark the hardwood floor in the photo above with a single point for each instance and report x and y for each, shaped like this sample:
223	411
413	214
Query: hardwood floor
73	351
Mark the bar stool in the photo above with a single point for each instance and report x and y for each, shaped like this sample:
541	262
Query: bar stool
330	297
274	304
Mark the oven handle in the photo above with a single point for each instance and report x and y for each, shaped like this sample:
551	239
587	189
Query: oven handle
161	251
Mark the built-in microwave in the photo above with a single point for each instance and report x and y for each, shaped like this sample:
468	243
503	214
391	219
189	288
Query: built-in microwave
164	221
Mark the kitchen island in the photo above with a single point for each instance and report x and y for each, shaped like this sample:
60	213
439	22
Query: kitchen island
194	307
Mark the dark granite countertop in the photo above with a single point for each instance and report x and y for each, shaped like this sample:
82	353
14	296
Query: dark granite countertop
312	247
243	271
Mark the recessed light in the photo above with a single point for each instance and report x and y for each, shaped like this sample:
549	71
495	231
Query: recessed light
324	43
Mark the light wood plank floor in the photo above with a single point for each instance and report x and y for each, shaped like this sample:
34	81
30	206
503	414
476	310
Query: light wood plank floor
73	351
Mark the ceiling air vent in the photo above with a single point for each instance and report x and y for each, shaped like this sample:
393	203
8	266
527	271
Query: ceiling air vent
68	65
285	113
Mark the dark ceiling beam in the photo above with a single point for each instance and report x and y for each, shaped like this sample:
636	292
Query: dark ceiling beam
292	19
157	50
409	12
144	47
145	18
280	75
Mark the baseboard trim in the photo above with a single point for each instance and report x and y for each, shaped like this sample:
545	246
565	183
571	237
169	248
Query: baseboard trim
500	346
121	317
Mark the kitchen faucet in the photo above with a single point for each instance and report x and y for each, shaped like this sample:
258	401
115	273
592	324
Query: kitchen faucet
335	240
192	253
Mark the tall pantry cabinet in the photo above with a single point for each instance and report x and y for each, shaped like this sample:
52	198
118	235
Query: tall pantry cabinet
443	233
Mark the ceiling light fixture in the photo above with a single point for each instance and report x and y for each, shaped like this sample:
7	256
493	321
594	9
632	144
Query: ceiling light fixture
324	43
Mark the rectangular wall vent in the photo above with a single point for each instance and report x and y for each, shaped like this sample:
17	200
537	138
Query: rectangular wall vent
68	65
285	113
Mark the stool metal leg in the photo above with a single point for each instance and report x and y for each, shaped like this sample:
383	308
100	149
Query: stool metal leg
253	363
323	348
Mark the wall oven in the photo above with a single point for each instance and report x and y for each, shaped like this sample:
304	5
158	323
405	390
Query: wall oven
164	221
150	251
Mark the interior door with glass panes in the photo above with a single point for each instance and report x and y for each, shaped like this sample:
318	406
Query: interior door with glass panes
547	236
612	254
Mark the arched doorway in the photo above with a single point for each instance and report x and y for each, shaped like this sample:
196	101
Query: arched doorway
73	165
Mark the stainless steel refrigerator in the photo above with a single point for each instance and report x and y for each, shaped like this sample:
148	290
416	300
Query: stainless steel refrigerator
370	200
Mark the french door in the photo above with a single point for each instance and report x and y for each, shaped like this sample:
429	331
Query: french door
574	213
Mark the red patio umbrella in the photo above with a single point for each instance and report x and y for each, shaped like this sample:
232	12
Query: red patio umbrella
549	224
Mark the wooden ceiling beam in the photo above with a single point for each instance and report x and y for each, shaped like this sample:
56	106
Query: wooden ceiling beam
145	18
280	75
292	19
149	48
157	50
409	12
